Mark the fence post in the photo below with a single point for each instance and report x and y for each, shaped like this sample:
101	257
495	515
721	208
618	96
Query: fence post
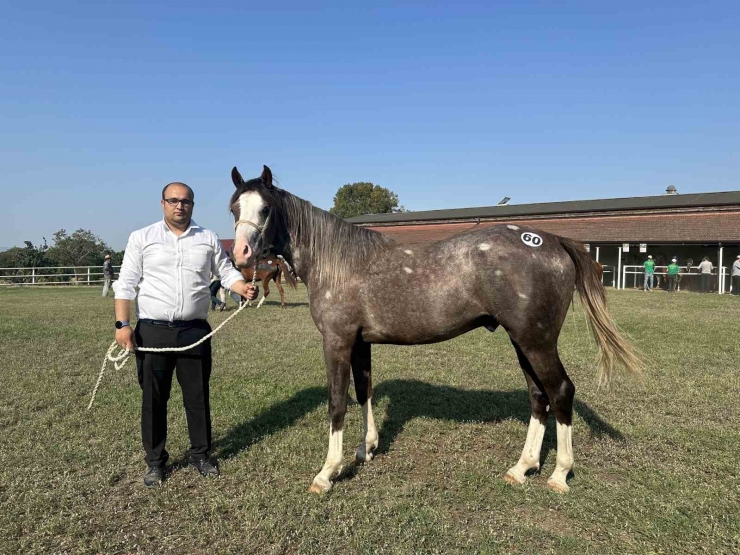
33	276
88	275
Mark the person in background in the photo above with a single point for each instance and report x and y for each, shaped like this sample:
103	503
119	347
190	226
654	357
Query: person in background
214	288
673	270
705	266
736	276
649	266
107	274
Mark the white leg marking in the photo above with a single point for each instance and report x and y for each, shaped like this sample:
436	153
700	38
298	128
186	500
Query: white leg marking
369	441
564	460
332	466
530	454
514	227
408	270
484	246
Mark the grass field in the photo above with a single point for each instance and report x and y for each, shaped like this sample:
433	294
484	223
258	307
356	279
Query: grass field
655	462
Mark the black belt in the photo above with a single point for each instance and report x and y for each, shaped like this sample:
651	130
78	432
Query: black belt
173	323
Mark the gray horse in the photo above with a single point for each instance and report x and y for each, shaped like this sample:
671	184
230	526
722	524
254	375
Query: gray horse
365	288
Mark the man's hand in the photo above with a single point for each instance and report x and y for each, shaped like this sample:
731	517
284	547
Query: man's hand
125	338
251	292
246	290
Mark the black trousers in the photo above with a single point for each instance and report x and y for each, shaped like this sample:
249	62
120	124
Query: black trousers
671	284
736	285
155	371
706	283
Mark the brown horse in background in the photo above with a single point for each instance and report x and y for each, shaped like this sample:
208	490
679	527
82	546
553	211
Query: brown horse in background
272	268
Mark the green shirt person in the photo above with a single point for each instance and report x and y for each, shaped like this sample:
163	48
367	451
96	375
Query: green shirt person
673	270
649	266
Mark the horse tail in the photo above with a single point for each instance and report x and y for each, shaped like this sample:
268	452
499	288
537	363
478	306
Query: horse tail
612	346
287	273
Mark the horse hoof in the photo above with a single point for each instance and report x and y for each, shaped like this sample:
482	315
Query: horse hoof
361	457
557	486
319	486
513	479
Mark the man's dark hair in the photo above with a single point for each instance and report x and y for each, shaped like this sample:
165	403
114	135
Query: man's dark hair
164	191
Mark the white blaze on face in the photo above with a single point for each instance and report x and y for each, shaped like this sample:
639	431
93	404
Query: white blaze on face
245	235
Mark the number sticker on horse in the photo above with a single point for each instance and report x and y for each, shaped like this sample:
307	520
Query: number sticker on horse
531	239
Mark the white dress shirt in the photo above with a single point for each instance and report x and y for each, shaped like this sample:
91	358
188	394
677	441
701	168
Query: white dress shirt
173	273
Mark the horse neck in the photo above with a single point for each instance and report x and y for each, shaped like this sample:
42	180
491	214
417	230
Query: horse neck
324	249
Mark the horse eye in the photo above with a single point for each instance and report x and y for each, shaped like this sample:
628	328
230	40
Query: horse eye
266	210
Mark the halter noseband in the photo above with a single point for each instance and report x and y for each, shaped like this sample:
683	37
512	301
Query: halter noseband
260	228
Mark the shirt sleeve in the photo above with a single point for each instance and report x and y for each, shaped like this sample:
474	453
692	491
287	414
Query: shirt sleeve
131	270
222	267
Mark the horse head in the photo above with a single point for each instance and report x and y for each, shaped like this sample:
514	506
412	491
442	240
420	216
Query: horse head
256	218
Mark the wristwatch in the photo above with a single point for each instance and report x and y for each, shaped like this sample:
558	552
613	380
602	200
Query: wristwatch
121	324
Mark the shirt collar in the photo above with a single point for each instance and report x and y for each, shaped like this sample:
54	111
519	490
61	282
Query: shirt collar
192	226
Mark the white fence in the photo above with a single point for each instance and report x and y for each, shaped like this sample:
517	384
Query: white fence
720	277
57	275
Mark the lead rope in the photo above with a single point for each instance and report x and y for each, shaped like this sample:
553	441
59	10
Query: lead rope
119	360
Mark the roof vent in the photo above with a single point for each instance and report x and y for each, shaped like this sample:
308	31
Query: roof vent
503	201
671	190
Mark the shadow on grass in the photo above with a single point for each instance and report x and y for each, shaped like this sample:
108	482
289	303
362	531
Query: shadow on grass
408	399
278	417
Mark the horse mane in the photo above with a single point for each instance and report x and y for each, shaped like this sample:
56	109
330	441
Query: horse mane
337	249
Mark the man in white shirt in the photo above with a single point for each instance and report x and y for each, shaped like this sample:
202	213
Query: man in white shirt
736	276
171	263
706	268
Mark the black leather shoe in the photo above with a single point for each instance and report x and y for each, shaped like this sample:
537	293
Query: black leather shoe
154	476
204	466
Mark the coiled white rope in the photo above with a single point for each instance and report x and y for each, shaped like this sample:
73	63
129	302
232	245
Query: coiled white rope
119	360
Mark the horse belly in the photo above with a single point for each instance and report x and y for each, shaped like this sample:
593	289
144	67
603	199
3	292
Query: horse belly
416	327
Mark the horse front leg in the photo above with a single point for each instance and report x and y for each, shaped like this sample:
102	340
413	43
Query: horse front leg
337	355
361	372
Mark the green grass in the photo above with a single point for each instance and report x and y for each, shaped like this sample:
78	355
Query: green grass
655	462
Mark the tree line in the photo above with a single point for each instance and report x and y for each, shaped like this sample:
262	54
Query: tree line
80	248
84	248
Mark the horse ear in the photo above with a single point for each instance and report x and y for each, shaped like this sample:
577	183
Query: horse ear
266	177
236	177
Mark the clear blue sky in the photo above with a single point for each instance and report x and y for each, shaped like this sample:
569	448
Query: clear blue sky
449	104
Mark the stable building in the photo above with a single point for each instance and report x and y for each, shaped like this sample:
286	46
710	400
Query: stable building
620	233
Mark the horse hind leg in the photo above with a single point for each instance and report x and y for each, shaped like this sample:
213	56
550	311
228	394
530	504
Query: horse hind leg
539	404
549	371
278	277
361	373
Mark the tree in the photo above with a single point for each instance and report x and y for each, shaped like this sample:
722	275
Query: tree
356	199
82	248
29	256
